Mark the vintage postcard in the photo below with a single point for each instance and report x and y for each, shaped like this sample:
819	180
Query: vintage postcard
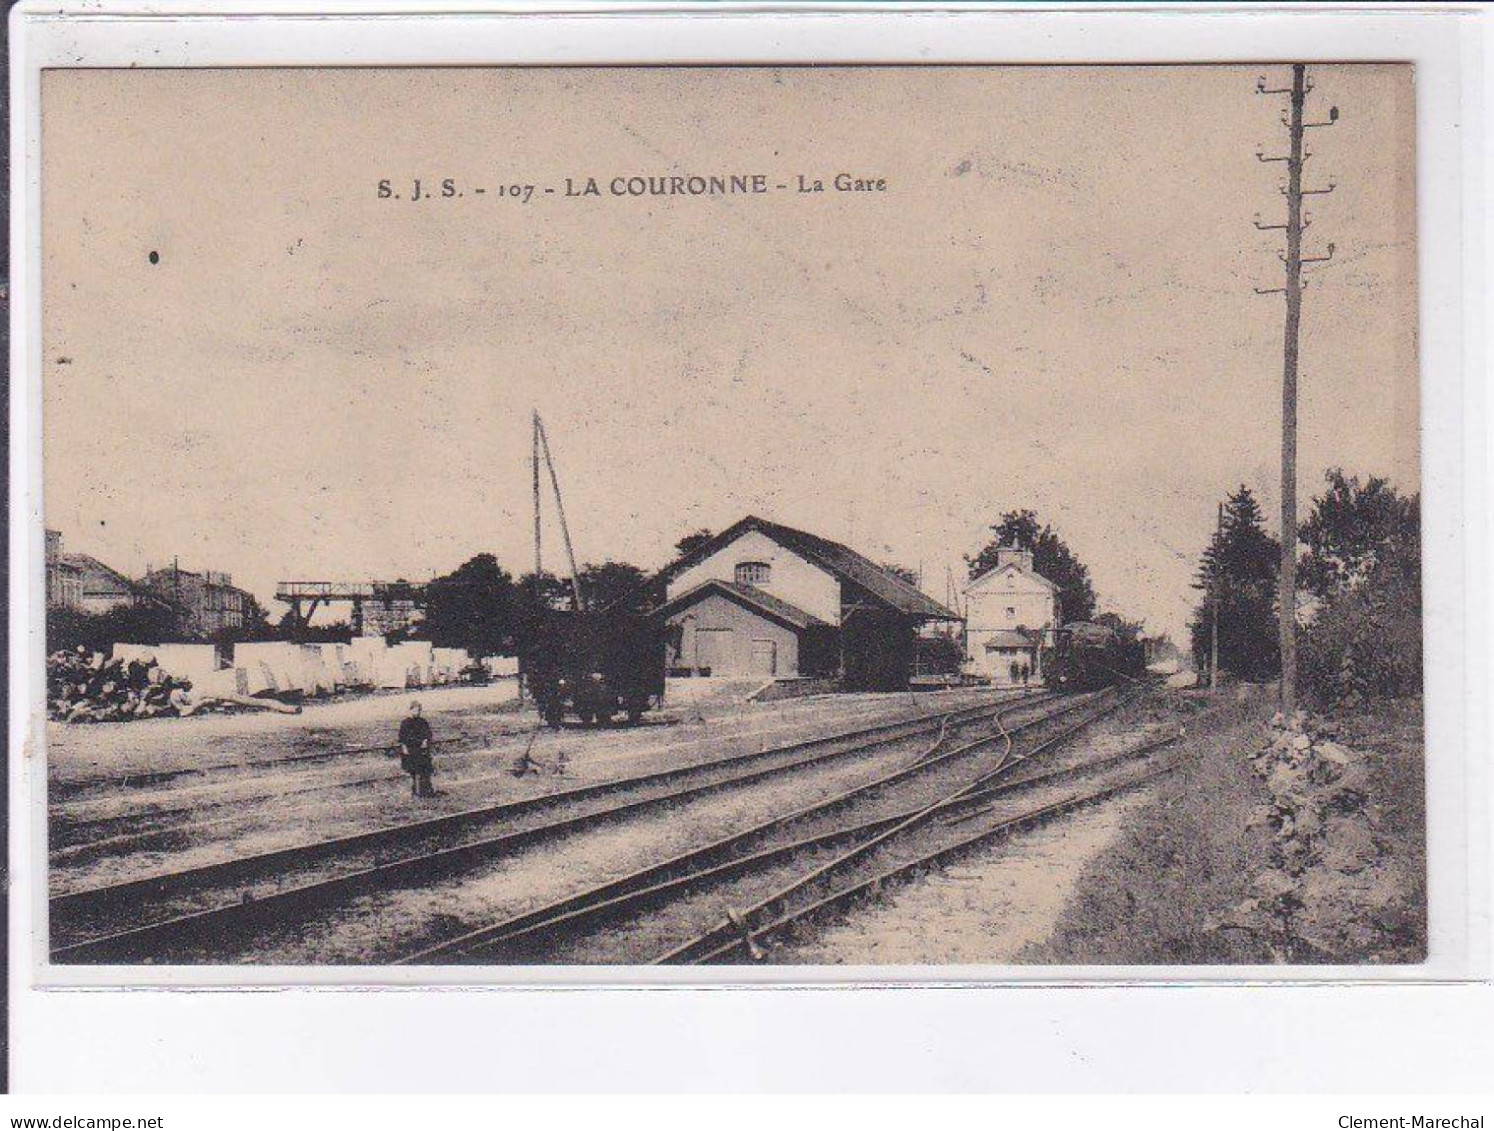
747	516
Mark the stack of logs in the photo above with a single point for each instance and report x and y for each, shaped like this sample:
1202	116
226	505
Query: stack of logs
86	687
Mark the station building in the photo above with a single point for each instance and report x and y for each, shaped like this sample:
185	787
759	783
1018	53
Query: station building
767	601
1011	611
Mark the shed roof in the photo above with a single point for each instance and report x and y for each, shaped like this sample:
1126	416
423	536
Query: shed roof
747	595
841	560
1012	638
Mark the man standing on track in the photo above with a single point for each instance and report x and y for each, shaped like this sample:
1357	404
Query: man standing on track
415	752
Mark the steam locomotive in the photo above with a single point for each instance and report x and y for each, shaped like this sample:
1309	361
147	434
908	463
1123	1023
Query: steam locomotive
1092	656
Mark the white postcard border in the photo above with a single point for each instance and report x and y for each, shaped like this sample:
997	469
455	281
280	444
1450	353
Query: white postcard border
1446	47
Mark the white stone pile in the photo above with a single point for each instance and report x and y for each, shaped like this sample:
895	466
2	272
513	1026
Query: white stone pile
1324	856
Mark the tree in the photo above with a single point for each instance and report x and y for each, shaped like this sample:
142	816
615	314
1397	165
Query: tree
533	602
692	542
1160	649
335	632
474	607
1051	558
1365	644
615	585
940	654
1126	631
148	622
549	592
1353	530
901	571
1240	567
603	586
1363	563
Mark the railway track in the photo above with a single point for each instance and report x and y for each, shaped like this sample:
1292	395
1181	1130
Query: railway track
88	830
80	827
924	840
845	821
74	789
164	913
179	826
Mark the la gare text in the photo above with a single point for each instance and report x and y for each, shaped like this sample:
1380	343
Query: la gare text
733	184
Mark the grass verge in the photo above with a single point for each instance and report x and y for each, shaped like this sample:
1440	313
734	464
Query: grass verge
1197	850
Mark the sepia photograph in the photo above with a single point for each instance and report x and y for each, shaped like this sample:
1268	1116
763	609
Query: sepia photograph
744	516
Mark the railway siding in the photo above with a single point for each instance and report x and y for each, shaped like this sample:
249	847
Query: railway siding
140	917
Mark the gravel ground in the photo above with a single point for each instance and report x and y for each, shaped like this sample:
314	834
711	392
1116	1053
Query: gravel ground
385	925
78	755
1014	901
937	915
647	936
983	910
934	924
642	938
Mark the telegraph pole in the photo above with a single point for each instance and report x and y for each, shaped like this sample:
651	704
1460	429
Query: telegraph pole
1214	603
1295	224
535	463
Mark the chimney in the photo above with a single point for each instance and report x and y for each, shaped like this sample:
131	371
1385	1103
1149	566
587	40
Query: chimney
1011	555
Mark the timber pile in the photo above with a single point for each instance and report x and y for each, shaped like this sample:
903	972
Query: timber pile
85	687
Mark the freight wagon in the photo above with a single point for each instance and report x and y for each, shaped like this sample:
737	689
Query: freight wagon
595	666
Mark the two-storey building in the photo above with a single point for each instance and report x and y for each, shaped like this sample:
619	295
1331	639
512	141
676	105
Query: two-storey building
1011	612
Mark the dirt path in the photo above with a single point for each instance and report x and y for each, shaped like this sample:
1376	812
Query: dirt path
984	910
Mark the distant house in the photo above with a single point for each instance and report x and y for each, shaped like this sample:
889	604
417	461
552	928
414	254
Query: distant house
103	588
208	602
64	578
764	600
85	584
1011	611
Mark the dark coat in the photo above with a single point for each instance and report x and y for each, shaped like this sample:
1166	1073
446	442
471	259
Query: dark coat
415	746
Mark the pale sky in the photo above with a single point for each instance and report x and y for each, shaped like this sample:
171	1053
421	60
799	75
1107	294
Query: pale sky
1050	306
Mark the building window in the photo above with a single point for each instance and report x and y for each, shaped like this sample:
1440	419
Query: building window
1011	612
754	573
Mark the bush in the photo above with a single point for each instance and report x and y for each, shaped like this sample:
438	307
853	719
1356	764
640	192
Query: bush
1187	855
99	632
940	655
1365	643
1363	562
